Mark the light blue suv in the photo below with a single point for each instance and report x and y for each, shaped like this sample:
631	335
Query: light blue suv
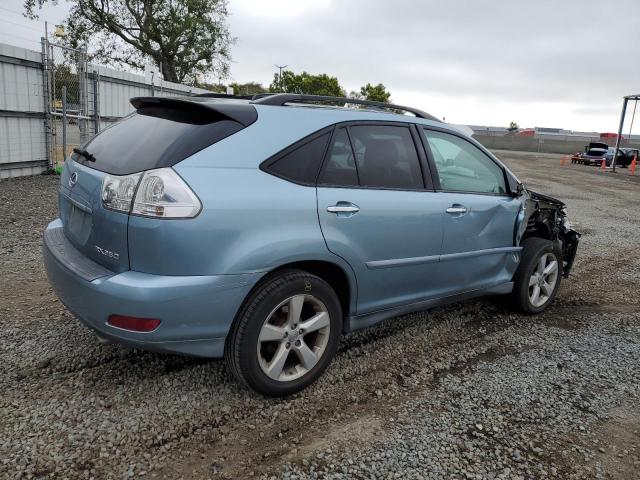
263	229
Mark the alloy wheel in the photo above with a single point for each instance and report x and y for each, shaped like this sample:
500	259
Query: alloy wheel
543	280
293	338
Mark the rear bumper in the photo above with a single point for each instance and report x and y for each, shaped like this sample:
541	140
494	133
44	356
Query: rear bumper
196	311
594	161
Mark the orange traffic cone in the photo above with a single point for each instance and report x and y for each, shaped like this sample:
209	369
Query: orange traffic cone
632	167
603	165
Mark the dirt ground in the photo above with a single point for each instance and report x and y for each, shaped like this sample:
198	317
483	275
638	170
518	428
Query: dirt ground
412	397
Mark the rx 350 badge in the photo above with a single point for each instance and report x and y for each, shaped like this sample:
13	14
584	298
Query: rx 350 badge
107	253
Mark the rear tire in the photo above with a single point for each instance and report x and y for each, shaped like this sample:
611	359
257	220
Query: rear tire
286	333
538	276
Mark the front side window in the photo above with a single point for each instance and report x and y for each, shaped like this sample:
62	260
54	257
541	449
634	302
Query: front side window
463	167
386	157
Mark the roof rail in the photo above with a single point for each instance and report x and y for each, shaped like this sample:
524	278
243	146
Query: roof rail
224	95
282	99
262	95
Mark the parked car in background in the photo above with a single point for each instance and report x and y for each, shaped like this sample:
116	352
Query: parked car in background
593	154
262	230
608	156
624	158
629	155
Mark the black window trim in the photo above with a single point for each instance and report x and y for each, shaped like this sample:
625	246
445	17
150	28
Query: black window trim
266	164
427	181
353	153
434	171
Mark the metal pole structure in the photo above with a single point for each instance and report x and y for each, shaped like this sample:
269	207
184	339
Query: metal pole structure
96	105
615	153
64	122
280	67
633	117
83	93
46	99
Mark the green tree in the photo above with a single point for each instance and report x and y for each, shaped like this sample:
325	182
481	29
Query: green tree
212	87
183	38
513	127
321	84
65	77
249	88
375	93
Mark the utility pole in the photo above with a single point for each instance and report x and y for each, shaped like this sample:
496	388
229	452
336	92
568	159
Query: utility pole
280	67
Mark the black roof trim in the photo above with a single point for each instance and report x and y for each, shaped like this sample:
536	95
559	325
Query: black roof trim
281	99
242	112
224	95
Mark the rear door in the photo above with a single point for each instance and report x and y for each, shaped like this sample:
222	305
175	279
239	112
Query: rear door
479	215
377	211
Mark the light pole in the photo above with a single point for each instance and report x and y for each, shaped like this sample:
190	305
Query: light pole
280	67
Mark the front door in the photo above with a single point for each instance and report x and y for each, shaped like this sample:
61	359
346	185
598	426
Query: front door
376	213
478	248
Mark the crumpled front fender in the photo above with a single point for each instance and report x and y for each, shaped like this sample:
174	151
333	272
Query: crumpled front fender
545	216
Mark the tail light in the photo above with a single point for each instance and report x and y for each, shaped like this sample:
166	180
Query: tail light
159	193
134	324
118	191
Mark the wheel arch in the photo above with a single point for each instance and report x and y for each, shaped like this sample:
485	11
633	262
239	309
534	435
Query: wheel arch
339	277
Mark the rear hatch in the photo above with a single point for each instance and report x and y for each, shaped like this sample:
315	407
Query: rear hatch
99	233
161	133
596	152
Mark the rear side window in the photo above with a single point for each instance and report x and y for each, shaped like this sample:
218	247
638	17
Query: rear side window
386	157
301	163
340	166
154	138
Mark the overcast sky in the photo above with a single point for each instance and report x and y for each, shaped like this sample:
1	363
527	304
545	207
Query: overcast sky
540	63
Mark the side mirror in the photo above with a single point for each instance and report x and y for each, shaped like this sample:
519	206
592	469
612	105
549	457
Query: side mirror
519	191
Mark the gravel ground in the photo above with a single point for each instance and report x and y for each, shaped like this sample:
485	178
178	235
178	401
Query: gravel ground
471	390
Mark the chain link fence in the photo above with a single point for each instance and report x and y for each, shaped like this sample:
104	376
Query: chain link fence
53	100
69	124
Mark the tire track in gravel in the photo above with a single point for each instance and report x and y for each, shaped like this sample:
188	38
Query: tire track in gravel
390	388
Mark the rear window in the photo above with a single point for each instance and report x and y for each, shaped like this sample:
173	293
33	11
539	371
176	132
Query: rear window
596	151
155	137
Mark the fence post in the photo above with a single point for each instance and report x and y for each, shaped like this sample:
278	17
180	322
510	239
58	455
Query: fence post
64	122
46	102
96	103
82	93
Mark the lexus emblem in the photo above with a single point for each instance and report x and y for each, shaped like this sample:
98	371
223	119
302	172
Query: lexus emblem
73	179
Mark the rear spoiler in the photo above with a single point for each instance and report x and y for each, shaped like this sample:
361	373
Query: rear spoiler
242	113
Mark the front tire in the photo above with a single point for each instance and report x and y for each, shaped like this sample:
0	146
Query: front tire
286	333
538	277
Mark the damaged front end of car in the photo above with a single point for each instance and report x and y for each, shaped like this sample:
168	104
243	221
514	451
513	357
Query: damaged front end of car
546	217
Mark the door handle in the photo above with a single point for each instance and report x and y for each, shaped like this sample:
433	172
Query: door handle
456	209
343	208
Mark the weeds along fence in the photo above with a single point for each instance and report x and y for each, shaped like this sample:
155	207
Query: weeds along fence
54	100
